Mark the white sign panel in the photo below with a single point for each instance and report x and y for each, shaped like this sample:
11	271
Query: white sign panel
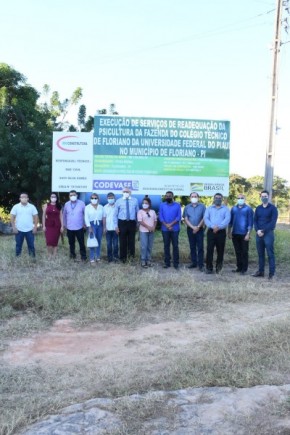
72	155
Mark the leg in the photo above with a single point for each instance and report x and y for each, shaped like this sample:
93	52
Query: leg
30	243
109	239
131	238
71	240
261	253
81	241
245	254
238	243
220	247
19	238
150	246
115	246
99	234
166	243
200	251
210	249
269	245
192	246
175	247
123	240
143	246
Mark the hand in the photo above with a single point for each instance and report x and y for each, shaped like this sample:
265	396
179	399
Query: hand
195	229
34	230
247	237
15	230
61	230
215	229
117	230
230	236
260	233
43	228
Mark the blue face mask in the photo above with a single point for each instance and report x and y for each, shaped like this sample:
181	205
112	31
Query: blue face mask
111	200
241	201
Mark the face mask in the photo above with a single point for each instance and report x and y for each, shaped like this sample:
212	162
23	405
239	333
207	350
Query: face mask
241	201
73	198
193	200
145	206
111	200
218	201
169	200
52	199
264	199
94	201
126	195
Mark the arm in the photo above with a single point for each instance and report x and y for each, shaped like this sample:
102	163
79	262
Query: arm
226	220
13	223
206	218
35	222
64	217
61	220
44	216
270	226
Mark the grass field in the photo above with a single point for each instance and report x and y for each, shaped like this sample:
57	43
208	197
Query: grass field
244	340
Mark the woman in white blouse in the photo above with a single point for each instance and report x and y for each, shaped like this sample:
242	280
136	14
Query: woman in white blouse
94	215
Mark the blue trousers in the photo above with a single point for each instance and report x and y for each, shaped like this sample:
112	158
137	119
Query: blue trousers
196	247
146	245
168	238
98	231
19	239
266	243
112	245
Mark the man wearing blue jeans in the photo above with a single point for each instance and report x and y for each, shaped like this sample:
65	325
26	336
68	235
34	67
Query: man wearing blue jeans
170	217
24	220
265	219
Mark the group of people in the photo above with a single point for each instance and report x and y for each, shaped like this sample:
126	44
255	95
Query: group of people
119	220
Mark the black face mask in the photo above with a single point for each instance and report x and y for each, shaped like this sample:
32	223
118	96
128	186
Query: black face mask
169	200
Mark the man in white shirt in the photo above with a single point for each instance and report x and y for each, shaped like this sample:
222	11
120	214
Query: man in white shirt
109	229
24	220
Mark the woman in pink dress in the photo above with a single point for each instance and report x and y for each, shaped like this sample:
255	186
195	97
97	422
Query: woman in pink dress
52	223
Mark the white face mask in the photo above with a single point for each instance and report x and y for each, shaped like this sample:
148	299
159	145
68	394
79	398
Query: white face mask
73	198
194	200
94	201
145	206
126	195
52	199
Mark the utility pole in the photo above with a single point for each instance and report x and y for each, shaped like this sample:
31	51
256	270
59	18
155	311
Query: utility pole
270	154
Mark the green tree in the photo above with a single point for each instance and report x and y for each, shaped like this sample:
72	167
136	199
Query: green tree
25	140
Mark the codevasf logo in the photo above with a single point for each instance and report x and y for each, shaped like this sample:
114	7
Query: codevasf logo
59	144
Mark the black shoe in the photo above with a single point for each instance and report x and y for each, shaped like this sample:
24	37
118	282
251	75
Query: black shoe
208	271
236	270
258	274
201	269
218	270
270	276
191	266
166	266
176	267
243	273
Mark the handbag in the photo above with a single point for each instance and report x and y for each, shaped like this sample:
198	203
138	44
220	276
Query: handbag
92	241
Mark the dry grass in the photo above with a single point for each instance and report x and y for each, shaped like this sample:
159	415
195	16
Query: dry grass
34	295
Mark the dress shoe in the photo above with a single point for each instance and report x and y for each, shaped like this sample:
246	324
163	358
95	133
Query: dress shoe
270	277
208	271
201	269
191	266
258	274
236	270
166	266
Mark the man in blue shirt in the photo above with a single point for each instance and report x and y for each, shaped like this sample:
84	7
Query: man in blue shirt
216	218
240	227
265	219
193	218
170	217
125	220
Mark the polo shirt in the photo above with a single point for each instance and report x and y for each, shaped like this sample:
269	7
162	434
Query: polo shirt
24	216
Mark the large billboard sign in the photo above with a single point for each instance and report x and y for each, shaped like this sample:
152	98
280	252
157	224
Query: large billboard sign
72	161
149	155
153	155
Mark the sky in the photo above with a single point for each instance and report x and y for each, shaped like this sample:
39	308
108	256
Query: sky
160	58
